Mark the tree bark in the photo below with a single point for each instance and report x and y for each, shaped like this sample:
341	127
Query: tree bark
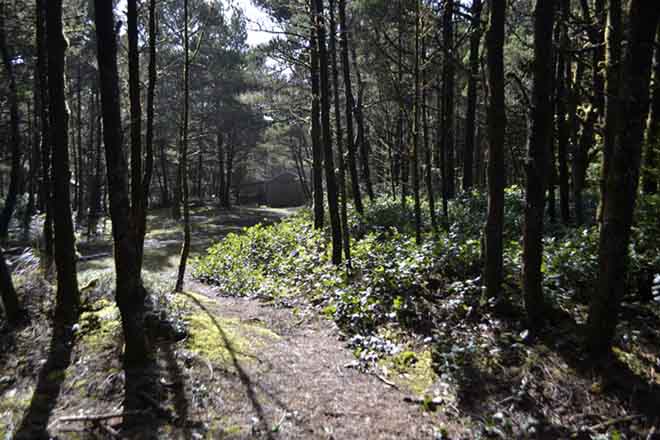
361	138
430	193
149	139
331	184
185	247
14	133
229	175
221	167
448	109
7	291
651	169
471	113
317	149
415	131
563	126
350	105
95	181
496	129
626	115
340	151
46	181
68	298
540	137
165	196
129	293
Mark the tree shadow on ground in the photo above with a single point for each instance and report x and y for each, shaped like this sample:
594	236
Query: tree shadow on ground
177	386
618	380
145	395
7	344
549	378
251	387
486	390
49	382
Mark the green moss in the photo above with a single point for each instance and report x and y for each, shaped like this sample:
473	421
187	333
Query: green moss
223	429
634	362
101	326
412	370
15	403
404	359
220	339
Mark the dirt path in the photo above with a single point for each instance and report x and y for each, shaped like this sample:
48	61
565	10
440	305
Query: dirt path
262	371
300	385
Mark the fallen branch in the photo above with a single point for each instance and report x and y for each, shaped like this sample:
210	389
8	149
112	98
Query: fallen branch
98	417
385	381
94	256
423	401
612	422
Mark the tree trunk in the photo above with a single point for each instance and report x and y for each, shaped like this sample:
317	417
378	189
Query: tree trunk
221	168
430	193
540	137
46	182
7	291
95	181
185	248
14	133
400	159
651	169
35	158
361	138
471	113
415	131
626	115
440	159
448	73
177	193
165	196
228	180
68	298
340	151
149	140
563	127
350	105
129	293
138	211
496	129
331	185
89	176
317	148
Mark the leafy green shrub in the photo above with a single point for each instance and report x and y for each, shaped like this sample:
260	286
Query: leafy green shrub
391	276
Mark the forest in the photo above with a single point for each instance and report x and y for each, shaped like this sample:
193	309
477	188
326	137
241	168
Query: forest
330	219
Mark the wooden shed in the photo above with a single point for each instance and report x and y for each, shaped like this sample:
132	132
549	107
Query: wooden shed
283	190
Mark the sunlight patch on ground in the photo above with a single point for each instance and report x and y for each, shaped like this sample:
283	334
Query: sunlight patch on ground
221	340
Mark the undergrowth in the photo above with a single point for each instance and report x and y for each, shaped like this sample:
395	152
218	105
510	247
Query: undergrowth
392	280
416	317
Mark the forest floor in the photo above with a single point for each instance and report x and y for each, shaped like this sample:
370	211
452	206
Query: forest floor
246	369
240	368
